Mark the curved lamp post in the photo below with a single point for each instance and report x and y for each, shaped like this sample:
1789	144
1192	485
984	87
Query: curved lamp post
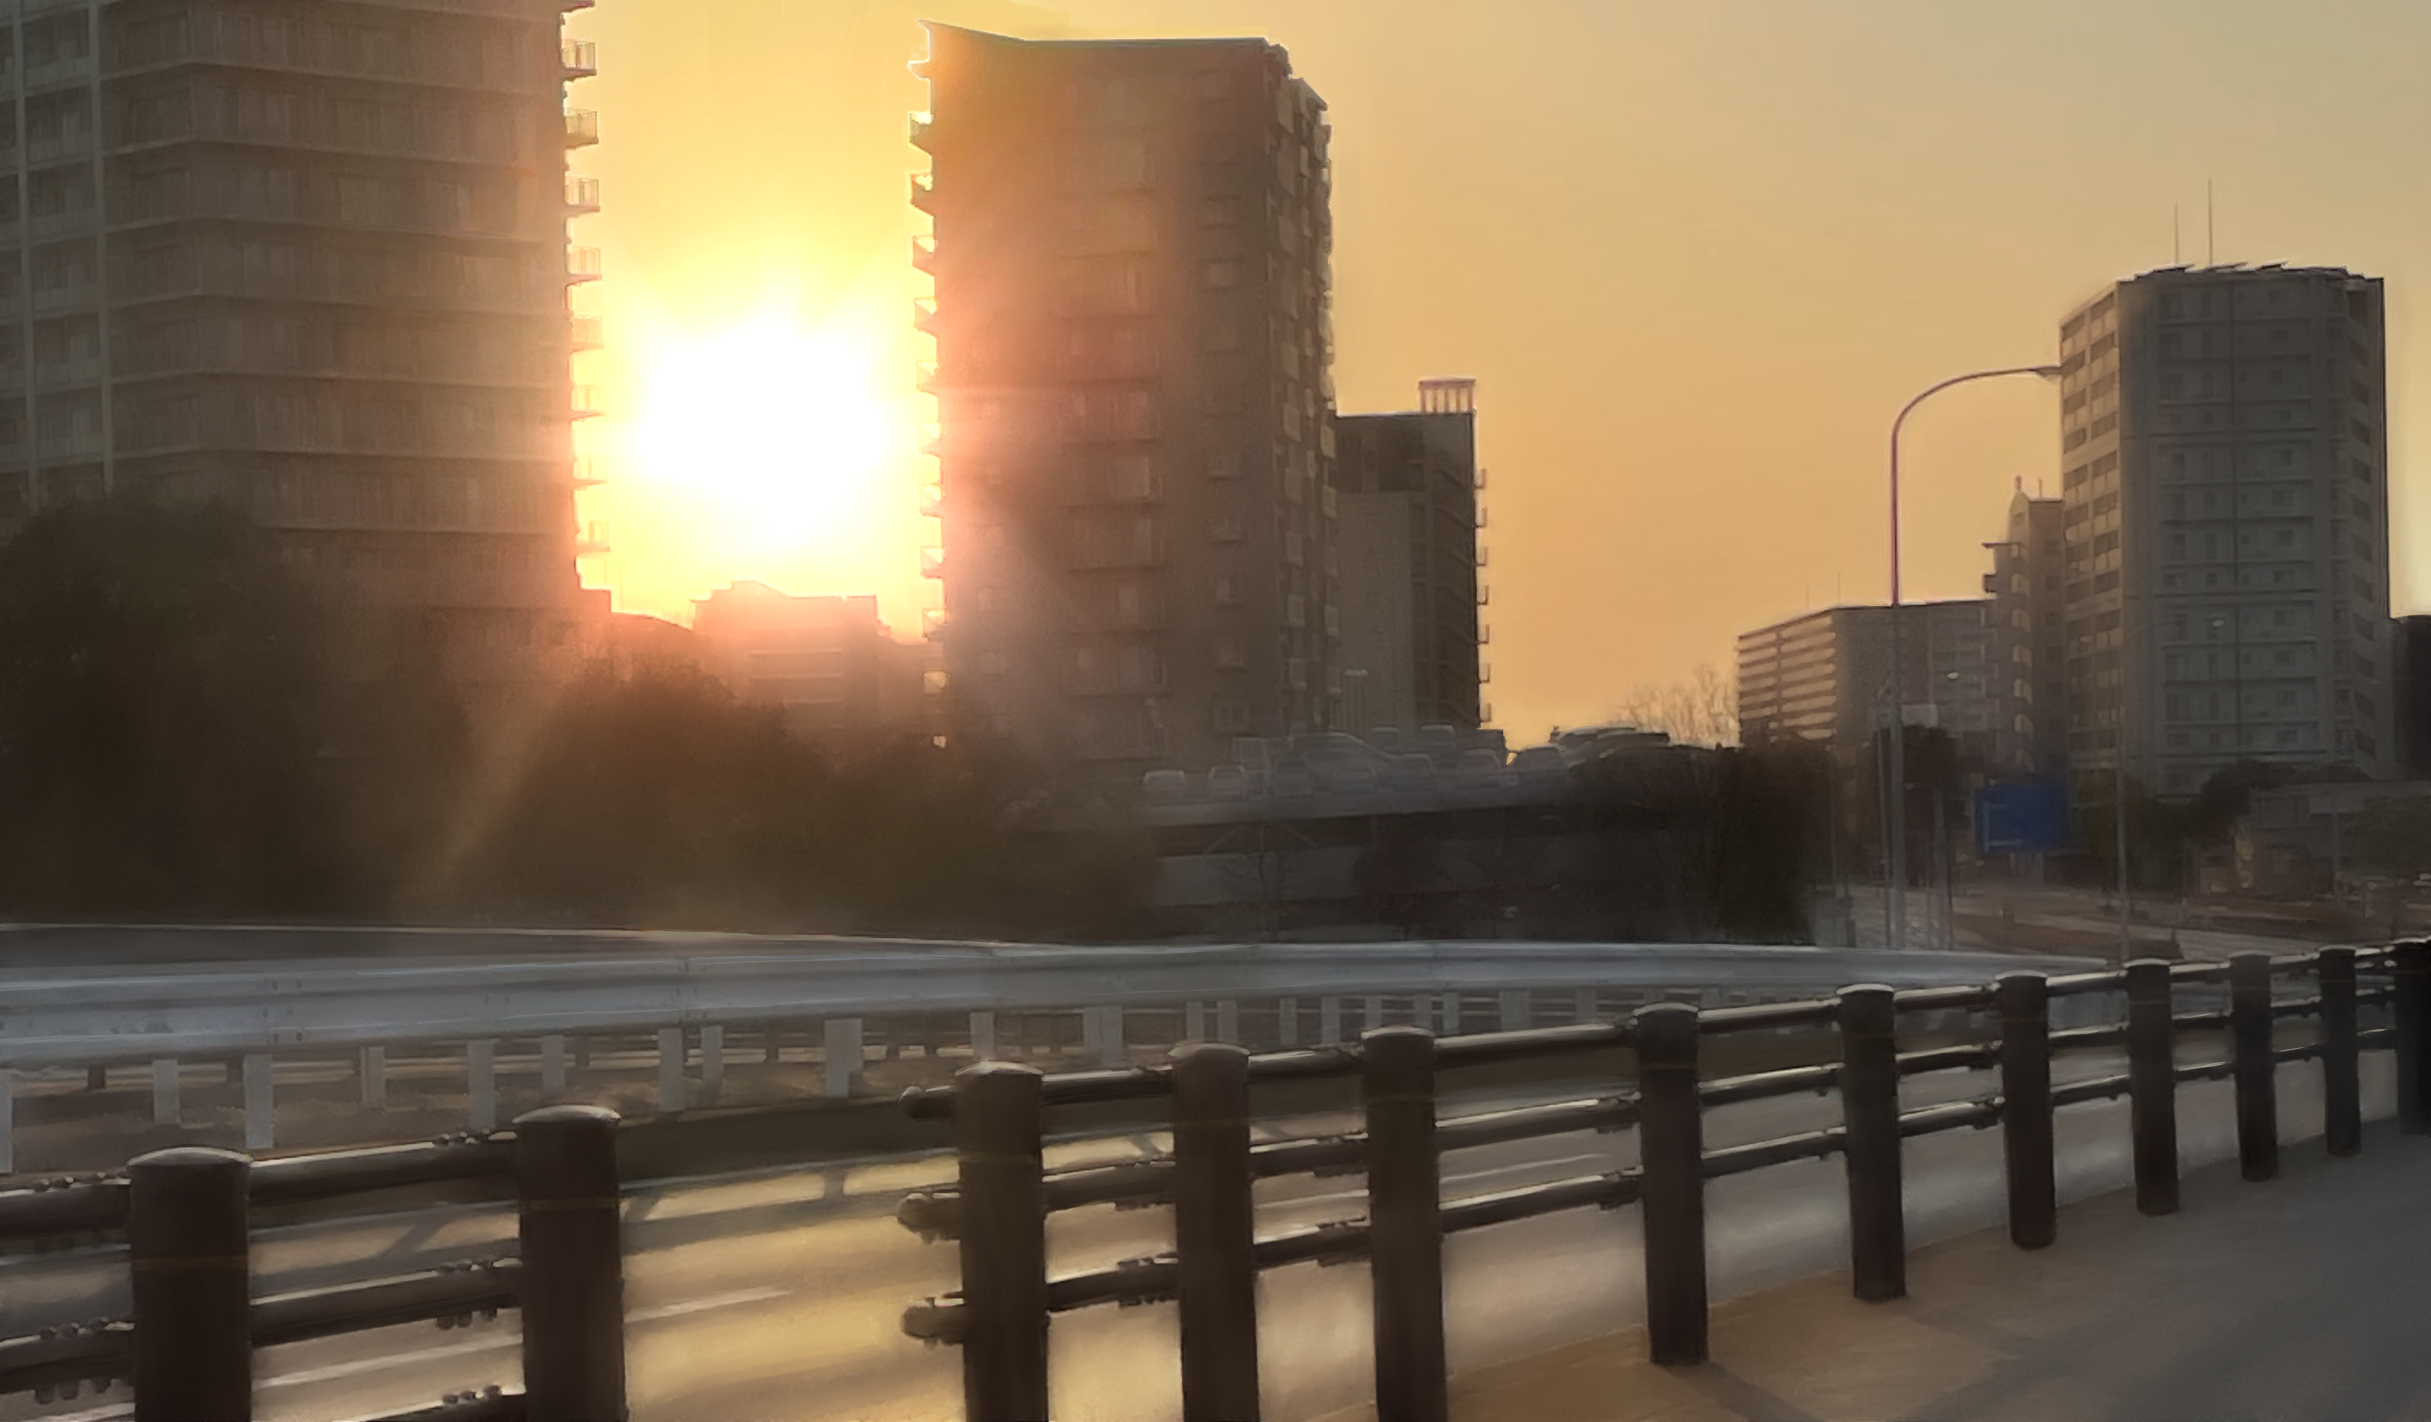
1896	922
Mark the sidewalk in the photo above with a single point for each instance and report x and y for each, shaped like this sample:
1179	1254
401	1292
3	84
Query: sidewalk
2294	1300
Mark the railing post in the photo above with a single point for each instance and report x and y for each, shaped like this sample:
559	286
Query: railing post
261	1110
167	1109
2152	1085
553	1064
2025	1053
1371	1014
1405	1224
1671	1192
2341	1085
2410	966
1287	1022
998	1109
2249	1025
845	1057
571	1244
1451	1014
1212	1233
187	1256
983	1036
1869	1121
713	1062
481	1084
670	1069
1582	1005
371	1066
1514	1010
8	1119
1329	1021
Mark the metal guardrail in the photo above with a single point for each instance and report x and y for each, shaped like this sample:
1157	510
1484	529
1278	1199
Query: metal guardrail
188	1346
998	1210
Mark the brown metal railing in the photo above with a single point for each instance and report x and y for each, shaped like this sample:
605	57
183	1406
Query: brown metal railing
185	1213
998	1211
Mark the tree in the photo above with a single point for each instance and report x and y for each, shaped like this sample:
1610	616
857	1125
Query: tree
2390	837
1703	710
166	717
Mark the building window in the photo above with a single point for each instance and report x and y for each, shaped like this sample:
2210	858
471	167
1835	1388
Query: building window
1230	655
1220	276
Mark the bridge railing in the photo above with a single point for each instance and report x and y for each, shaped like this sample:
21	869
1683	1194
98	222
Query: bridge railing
187	1347
997	1211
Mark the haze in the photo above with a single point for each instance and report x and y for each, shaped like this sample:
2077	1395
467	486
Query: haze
1696	255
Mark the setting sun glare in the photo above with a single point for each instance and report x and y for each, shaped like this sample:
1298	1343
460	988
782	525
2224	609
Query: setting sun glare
776	434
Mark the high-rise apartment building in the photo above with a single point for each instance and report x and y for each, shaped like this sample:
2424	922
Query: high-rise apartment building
1825	677
1410	556
2029	640
309	259
2224	446
1134	393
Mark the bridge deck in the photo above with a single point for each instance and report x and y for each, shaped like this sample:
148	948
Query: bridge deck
2298	1300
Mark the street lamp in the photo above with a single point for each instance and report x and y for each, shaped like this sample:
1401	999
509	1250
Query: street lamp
1898	846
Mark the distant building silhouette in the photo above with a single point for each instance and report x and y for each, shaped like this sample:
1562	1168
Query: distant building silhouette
309	259
827	662
2224	447
1134	393
2029	677
1408	530
1825	677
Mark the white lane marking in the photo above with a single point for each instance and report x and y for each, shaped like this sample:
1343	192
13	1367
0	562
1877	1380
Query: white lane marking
1466	1175
334	1371
704	1303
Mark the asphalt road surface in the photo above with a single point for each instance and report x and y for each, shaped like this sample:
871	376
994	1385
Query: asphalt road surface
779	1297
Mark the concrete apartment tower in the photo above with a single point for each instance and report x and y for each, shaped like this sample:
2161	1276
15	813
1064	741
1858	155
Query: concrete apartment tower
1410	558
308	259
2028	617
2224	447
1134	392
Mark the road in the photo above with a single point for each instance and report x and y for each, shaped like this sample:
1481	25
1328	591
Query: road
778	1297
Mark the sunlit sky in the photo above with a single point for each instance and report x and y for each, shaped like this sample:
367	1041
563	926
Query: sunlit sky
1695	254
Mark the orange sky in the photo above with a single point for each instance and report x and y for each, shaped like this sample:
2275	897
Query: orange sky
1696	255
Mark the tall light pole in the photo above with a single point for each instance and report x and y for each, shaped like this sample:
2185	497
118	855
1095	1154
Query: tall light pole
1897	869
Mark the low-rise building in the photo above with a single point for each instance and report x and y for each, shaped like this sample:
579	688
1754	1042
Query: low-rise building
828	662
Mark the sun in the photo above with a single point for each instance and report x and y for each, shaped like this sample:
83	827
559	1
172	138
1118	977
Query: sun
769	429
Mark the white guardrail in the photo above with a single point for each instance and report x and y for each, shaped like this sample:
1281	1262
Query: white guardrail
253	999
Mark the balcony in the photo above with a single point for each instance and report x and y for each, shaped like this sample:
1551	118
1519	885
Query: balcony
588	332
932	437
570	6
582	127
1481	515
924	315
1485	595
587	404
1481	555
920	126
590	538
932	501
924	255
583	264
932	562
586	475
1325	501
578	58
924	377
932	623
924	192
582	195
1481	485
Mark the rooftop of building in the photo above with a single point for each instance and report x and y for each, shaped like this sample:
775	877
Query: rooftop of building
934	26
1911	605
